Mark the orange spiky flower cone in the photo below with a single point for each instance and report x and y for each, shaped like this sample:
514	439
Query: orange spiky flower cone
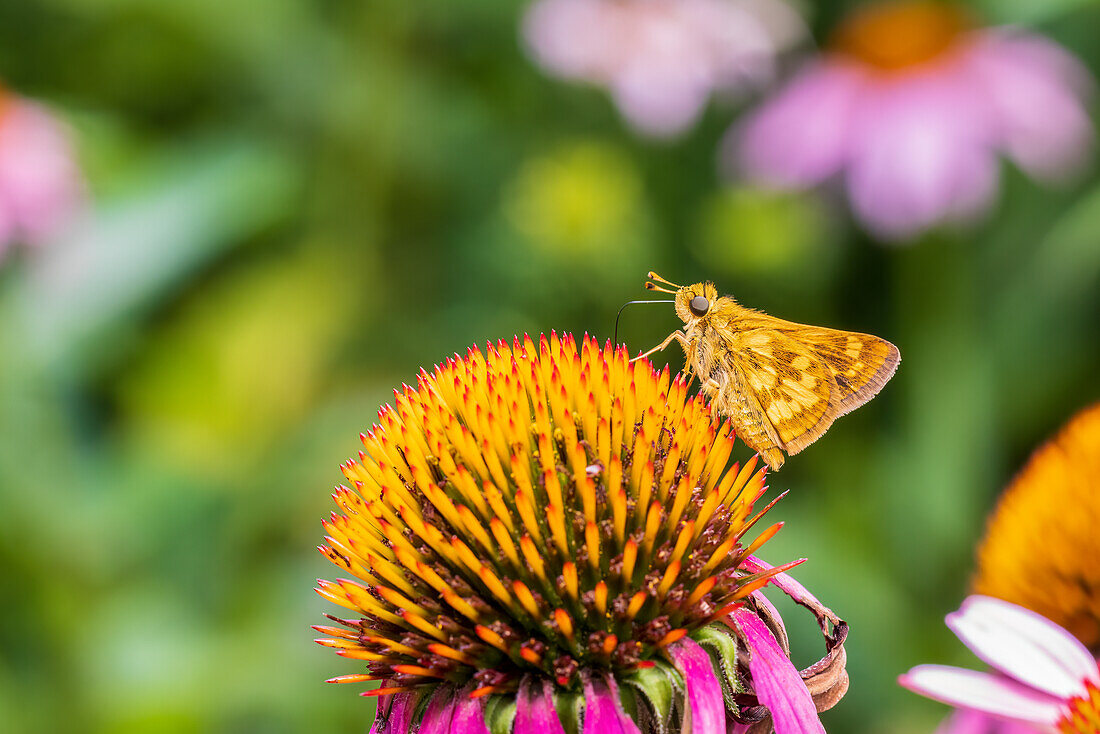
555	534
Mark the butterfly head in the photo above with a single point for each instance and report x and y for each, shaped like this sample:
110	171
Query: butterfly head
693	302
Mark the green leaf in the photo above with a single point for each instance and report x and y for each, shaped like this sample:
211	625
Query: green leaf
1031	11
570	707
92	286
718	640
658	686
500	712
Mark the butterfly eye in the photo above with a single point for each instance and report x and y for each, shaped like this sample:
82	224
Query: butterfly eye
699	306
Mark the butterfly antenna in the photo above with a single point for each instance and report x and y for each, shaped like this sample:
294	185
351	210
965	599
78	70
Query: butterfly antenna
653	276
615	339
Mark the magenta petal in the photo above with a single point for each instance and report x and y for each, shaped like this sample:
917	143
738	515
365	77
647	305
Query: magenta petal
969	721
395	713
469	715
775	680
437	719
783	581
706	708
603	712
535	712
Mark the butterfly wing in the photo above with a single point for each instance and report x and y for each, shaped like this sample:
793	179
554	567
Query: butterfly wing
789	384
860	364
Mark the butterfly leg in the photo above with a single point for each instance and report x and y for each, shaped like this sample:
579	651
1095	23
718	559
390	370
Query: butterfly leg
676	335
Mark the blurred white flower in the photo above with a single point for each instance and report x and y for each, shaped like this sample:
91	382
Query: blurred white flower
662	59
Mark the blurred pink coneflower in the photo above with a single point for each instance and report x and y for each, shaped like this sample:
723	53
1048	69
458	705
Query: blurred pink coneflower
661	59
40	184
911	103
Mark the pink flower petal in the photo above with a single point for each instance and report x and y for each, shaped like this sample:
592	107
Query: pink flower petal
437	719
776	682
922	150
572	38
469	715
603	712
706	710
800	136
1035	89
394	713
993	694
660	101
40	185
969	721
535	712
1024	645
783	581
662	59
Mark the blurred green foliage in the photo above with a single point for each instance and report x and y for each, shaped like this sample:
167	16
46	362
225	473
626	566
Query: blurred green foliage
298	204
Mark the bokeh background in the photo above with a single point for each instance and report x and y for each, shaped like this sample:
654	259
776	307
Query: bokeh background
294	204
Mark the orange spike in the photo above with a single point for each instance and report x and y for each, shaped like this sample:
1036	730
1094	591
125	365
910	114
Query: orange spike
671	637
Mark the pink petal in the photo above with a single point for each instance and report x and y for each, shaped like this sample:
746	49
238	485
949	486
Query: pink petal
707	709
921	153
1035	88
572	38
40	185
660	101
394	713
993	694
437	719
799	137
783	581
775	680
1024	645
535	712
603	712
969	721
469	715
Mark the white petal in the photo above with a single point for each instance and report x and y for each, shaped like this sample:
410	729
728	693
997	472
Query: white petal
1024	645
992	694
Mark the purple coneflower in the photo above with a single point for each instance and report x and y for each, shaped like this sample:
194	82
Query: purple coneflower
911	104
40	184
661	59
1043	677
551	539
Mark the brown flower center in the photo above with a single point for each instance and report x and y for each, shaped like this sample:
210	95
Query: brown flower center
899	35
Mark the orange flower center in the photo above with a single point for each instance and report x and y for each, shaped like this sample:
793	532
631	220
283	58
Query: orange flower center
1057	576
1083	715
898	35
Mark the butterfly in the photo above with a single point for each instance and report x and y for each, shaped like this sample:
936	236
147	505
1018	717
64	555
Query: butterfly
782	384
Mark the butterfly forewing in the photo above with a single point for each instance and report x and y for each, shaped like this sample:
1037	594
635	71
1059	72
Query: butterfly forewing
792	384
860	363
